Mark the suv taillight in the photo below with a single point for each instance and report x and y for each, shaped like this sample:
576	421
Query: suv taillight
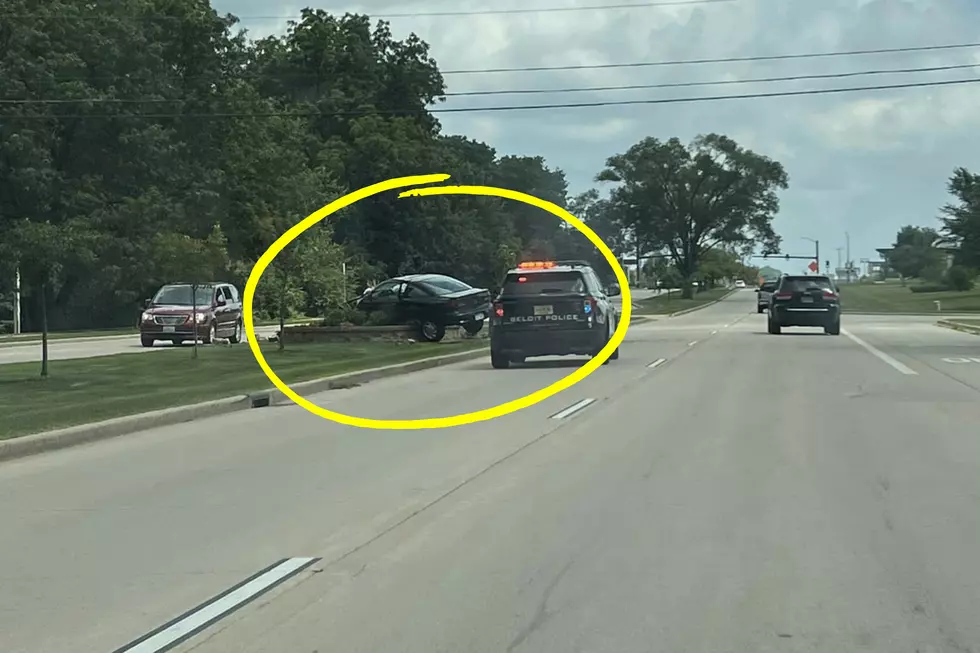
829	294
498	309
783	295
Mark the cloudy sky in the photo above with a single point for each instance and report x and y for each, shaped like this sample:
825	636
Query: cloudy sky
862	163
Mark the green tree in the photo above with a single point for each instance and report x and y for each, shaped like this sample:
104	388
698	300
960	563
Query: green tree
961	218
914	254
688	199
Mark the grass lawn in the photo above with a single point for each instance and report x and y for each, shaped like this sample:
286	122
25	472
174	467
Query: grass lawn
894	298
85	390
664	305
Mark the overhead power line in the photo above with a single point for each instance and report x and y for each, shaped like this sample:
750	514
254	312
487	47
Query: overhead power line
635	64
411	14
694	62
583	89
528	107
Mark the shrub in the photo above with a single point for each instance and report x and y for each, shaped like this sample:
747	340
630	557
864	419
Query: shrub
929	287
960	278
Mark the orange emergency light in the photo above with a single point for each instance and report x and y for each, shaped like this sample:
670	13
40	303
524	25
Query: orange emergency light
536	265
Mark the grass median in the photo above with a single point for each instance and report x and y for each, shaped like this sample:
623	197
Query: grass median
896	298
85	390
664	304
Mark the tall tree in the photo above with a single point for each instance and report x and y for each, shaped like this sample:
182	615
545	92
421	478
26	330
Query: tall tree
914	253
961	219
689	199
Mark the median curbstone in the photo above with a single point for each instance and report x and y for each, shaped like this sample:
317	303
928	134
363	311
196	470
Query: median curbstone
958	326
71	436
698	308
36	443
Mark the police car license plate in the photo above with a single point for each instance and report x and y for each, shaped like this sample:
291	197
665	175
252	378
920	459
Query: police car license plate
544	310
169	329
806	300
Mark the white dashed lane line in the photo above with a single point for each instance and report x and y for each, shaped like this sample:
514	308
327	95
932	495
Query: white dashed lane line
190	623
657	363
574	408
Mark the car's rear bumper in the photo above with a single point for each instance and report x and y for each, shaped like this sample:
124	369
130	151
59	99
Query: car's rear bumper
797	316
546	342
468	315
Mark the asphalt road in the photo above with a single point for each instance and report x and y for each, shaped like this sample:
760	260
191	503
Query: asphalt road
91	347
747	492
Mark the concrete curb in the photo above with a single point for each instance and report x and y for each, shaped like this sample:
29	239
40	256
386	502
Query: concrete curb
698	308
956	326
36	443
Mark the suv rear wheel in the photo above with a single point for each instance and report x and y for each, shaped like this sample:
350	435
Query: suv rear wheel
774	327
499	361
832	329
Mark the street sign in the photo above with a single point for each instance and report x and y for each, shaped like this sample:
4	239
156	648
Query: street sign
813	266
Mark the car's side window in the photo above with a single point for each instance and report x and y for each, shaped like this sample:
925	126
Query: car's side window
386	289
226	292
592	282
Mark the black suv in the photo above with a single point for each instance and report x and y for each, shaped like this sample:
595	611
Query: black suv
805	301
551	308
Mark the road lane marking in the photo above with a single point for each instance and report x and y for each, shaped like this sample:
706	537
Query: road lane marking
657	363
961	360
901	367
191	623
692	343
574	408
714	332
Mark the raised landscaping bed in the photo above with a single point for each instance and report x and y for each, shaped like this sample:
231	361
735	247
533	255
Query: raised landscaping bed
351	333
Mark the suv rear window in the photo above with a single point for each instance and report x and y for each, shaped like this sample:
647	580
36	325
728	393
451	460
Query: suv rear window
800	284
540	283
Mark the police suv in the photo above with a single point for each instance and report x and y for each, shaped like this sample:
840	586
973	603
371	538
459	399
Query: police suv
551	308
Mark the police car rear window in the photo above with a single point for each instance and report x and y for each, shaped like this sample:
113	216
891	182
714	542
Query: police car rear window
541	283
769	286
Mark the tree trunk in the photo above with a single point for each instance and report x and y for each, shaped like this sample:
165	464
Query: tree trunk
44	329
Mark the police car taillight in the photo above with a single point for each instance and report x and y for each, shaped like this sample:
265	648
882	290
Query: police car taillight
590	305
498	308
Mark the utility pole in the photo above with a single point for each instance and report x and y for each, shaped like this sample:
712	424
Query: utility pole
847	236
17	301
839	250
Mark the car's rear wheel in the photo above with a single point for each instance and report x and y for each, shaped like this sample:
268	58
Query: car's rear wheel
432	331
146	342
832	329
473	328
519	359
615	355
499	361
762	310
774	327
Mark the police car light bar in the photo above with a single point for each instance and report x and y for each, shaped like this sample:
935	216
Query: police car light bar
536	265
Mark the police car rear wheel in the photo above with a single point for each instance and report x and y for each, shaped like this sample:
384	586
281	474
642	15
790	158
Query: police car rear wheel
499	361
615	355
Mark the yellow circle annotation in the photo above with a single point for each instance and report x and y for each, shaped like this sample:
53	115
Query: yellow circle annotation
453	420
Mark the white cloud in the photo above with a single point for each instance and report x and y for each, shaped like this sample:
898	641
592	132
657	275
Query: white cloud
865	162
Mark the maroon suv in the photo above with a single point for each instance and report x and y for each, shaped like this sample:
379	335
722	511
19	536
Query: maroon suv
170	314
